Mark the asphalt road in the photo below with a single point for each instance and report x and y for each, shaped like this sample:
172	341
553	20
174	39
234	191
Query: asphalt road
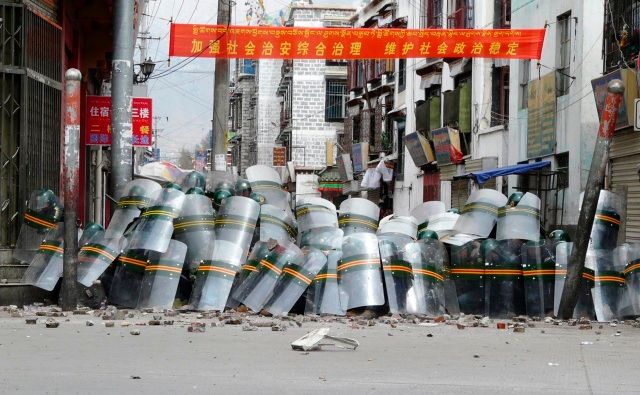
75	358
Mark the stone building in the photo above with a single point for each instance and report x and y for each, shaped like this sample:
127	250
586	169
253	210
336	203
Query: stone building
267	112
313	93
243	103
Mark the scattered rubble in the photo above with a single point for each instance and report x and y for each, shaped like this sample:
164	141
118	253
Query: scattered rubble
135	332
31	321
196	327
51	323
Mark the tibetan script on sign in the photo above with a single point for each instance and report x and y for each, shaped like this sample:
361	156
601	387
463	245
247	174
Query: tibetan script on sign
268	42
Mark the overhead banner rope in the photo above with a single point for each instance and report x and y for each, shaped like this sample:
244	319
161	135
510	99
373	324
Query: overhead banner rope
269	42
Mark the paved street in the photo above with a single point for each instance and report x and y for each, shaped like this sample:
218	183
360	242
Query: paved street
75	358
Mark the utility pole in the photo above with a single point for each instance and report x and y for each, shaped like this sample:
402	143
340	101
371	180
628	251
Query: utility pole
221	97
71	171
608	121
121	91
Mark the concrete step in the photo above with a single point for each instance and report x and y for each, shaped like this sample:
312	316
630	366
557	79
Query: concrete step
22	294
12	273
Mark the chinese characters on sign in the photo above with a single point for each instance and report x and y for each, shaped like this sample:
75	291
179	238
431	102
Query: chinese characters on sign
260	42
541	119
98	127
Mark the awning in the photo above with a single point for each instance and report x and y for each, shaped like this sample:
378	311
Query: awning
458	66
483	176
398	111
430	79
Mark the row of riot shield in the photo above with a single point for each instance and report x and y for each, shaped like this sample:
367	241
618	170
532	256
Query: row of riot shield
506	278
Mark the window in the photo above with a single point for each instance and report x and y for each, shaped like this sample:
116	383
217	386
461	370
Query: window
502	14
335	100
460	15
563	56
356	129
563	170
237	113
525	70
500	93
431	14
400	125
402	74
372	128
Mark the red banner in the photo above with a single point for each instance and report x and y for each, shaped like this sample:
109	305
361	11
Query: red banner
98	113
267	42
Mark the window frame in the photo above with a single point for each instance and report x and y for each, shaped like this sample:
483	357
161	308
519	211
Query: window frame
563	54
525	78
329	103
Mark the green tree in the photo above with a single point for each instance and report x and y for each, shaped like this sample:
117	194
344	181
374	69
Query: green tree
185	161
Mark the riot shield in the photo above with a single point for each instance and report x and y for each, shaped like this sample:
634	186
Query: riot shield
442	224
266	182
236	221
467	271
42	214
584	306
521	221
324	239
428	258
398	274
424	212
127	278
161	277
358	215
606	224
294	280
315	213
539	272
632	277
195	228
394	224
480	213
504	286
323	295
259	252
46	267
359	274
608	289
154	231
277	224
255	291
96	256
215	276
138	194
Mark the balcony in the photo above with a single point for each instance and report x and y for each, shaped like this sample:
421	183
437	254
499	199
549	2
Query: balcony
621	46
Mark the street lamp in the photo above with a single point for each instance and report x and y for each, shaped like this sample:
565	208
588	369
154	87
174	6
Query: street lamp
146	69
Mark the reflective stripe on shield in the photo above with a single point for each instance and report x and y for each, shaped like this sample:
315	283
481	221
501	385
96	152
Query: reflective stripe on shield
293	281
46	267
359	274
215	276
127	278
161	277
